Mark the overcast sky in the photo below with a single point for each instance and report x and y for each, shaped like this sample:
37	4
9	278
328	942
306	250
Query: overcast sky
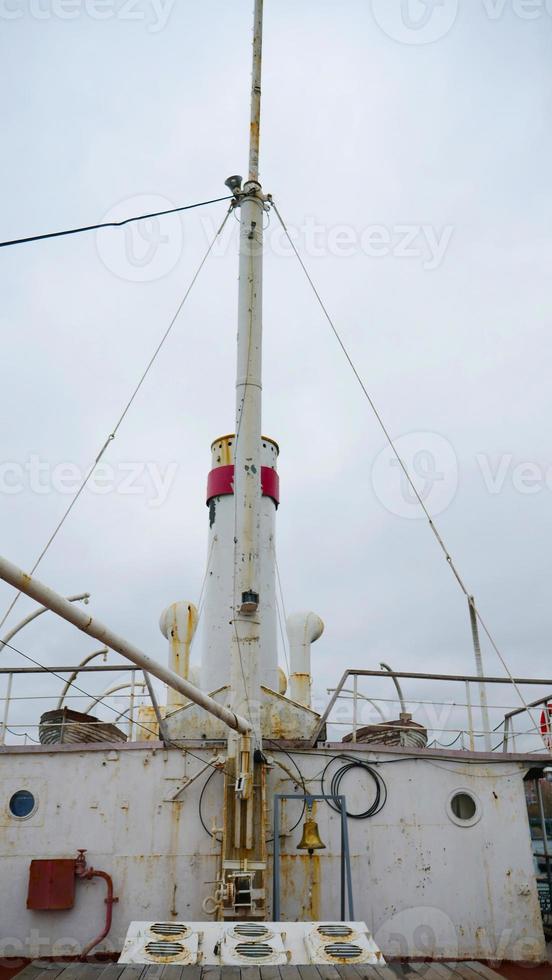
409	149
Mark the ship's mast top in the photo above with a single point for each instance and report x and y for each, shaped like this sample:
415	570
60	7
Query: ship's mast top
256	92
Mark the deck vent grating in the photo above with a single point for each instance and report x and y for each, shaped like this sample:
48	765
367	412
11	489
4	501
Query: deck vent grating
254	951
164	950
336	931
343	951
251	930
173	929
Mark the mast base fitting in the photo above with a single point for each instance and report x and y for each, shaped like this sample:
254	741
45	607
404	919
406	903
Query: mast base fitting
250	603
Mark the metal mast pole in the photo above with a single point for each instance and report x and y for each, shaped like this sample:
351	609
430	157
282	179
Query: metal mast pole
245	673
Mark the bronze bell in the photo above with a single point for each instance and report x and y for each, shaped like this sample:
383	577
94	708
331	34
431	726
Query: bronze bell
310	840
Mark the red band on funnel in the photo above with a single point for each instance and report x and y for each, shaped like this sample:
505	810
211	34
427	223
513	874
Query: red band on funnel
220	483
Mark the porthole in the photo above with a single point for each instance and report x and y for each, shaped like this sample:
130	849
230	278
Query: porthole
464	809
22	804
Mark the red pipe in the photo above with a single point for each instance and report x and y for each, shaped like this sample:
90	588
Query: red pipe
85	874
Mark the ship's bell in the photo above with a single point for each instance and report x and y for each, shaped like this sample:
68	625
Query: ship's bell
310	840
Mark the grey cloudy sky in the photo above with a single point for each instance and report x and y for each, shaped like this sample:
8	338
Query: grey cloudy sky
409	149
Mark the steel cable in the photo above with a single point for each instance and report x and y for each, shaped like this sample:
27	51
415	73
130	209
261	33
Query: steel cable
122	416
402	465
111	224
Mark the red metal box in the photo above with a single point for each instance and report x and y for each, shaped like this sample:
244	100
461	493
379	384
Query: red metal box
51	885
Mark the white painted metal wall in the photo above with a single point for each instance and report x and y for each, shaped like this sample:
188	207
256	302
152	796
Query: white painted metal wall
423	884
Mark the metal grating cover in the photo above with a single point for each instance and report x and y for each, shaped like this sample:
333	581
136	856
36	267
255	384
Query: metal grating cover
164	949
343	951
254	951
335	931
173	930
251	930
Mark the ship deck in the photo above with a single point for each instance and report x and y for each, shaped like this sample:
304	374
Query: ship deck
44	970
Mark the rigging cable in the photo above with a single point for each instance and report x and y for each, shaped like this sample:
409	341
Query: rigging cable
425	757
301	780
403	466
283	615
111	224
122	416
282	637
212	835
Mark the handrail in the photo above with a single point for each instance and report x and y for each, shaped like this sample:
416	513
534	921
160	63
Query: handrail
417	675
519	711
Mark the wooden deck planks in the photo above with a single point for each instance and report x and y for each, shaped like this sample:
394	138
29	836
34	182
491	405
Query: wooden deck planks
363	972
433	971
327	972
289	973
482	970
85	971
133	971
267	972
307	972
465	972
250	973
43	970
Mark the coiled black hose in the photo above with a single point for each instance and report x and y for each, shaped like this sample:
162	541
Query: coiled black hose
335	785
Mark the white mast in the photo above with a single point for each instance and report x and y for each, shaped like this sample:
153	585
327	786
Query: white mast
245	674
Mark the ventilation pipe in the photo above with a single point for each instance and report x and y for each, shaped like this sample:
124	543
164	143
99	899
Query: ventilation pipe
302	630
178	624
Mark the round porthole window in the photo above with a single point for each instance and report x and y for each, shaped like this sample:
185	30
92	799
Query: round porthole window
22	804
464	808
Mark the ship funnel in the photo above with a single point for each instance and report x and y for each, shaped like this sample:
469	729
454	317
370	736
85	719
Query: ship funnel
302	630
178	624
